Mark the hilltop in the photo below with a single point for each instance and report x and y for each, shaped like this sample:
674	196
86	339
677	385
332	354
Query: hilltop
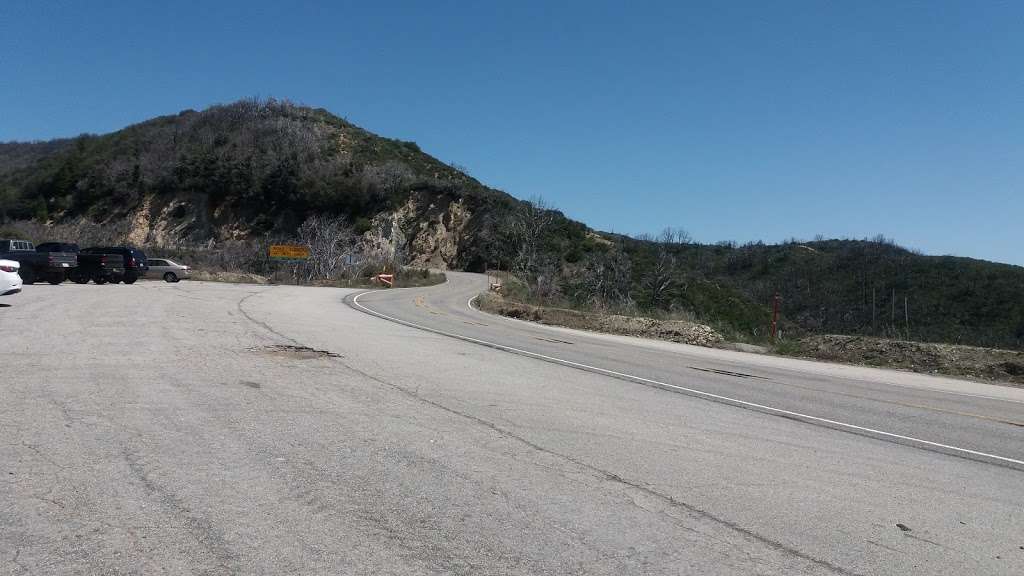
248	169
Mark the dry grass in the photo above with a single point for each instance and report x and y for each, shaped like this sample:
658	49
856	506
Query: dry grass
1006	366
229	277
670	330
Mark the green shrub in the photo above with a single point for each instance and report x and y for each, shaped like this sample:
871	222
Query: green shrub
361	226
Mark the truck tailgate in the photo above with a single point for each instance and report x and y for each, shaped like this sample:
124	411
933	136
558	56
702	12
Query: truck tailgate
61	259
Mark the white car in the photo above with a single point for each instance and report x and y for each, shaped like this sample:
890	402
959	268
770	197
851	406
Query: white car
10	281
167	269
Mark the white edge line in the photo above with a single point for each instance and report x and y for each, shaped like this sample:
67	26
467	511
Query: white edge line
691	391
469	304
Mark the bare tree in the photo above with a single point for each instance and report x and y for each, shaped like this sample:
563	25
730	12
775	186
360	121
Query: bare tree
331	243
670	236
529	227
459	168
385	179
547	286
605	280
89	233
659	281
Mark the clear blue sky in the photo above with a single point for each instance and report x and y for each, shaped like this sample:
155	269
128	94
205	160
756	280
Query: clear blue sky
736	121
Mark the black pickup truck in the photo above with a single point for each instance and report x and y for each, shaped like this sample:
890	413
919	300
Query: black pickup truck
49	266
100	268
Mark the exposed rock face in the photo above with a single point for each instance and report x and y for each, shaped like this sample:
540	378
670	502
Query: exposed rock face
435	243
385	239
138	230
181	219
426	233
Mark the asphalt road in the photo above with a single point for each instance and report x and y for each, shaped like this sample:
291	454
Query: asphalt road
200	428
961	418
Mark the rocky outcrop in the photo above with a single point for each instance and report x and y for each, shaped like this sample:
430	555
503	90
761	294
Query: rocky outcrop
424	232
140	224
435	240
180	219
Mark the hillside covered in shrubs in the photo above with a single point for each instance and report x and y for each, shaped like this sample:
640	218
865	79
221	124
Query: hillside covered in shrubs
216	186
243	170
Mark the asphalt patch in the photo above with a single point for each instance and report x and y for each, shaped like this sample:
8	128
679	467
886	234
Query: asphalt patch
294	352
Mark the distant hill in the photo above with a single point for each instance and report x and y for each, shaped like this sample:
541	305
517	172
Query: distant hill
15	155
867	287
256	168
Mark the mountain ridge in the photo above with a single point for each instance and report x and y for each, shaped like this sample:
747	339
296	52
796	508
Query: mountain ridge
234	171
260	168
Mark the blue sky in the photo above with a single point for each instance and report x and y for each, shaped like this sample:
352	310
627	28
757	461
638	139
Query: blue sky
734	120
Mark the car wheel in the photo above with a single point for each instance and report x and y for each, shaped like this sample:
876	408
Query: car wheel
55	279
28	275
170	277
101	280
130	278
115	279
79	278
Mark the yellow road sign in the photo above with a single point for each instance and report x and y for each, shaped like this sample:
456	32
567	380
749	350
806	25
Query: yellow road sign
289	252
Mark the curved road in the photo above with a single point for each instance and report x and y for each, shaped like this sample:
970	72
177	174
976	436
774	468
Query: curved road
849	451
965	419
246	429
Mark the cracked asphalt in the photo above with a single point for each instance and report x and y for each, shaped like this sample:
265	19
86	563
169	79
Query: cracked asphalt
201	428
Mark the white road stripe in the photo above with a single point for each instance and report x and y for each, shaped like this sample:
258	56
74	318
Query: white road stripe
691	391
852	378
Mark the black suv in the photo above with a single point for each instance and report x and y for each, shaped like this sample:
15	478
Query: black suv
100	268
135	265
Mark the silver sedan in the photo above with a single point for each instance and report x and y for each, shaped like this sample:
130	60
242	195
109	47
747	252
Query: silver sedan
169	270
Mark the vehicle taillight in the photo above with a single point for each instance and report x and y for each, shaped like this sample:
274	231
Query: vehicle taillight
131	261
8	268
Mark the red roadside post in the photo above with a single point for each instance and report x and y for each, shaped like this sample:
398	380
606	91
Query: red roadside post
775	314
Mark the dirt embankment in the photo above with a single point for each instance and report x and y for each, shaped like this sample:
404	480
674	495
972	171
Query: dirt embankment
672	330
1003	366
231	277
947	359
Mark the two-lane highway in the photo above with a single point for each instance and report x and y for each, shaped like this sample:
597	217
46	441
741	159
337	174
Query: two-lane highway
245	429
964	419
